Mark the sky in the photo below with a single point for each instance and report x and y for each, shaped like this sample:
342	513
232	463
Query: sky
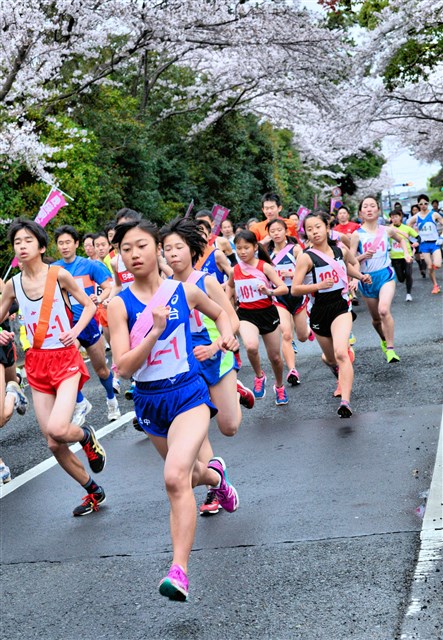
403	167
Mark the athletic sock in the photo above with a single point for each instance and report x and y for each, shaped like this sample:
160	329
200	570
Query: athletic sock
86	435
91	486
107	384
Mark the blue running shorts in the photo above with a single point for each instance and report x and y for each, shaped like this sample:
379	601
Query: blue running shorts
379	278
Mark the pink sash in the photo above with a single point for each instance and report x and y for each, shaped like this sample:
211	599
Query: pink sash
281	254
144	322
253	271
195	276
342	274
378	237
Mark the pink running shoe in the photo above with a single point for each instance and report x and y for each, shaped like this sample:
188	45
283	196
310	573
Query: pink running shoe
175	585
293	378
226	493
247	398
311	336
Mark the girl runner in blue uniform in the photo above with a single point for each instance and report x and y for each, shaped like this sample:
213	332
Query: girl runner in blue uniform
151	341
182	245
322	272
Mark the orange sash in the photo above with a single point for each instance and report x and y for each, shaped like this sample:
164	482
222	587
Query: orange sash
46	308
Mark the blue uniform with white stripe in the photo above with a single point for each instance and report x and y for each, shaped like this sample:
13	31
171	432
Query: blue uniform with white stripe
205	332
168	382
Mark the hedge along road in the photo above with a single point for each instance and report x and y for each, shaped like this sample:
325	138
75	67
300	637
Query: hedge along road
324	544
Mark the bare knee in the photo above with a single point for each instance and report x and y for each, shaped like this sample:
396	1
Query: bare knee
177	480
57	435
275	359
384	312
103	372
228	426
341	355
251	349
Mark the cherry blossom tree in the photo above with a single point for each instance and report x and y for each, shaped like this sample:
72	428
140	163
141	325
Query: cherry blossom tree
269	57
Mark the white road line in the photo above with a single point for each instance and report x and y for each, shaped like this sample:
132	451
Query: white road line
431	536
19	481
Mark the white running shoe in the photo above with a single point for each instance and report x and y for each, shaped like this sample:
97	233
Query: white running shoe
21	402
81	411
408	297
116	385
113	410
5	474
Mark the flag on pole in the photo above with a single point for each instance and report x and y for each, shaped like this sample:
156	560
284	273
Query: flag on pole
219	214
190	207
302	213
55	200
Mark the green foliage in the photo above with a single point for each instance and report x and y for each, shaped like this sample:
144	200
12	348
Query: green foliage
414	60
367	164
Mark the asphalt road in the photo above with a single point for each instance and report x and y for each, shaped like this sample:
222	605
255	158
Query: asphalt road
323	546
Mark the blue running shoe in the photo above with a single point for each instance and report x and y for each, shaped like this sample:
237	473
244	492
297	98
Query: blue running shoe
260	386
281	396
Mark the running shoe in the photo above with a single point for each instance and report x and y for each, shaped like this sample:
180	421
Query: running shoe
293	378
247	398
351	354
260	386
136	424
130	392
5	473
238	359
337	392
344	410
94	451
311	336
80	412
408	297
21	401
383	346
90	503
211	505
391	356
116	385
352	339
294	346
281	397
226	493
175	585
436	289
113	410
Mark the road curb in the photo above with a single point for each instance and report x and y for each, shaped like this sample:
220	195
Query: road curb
426	604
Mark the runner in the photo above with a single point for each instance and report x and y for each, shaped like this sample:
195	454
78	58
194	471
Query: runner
403	269
272	208
11	395
426	222
182	245
254	281
284	251
219	242
322	271
213	261
88	274
370	245
54	366
151	341
88	246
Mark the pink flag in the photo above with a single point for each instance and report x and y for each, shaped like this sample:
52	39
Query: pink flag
219	214
302	213
51	206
